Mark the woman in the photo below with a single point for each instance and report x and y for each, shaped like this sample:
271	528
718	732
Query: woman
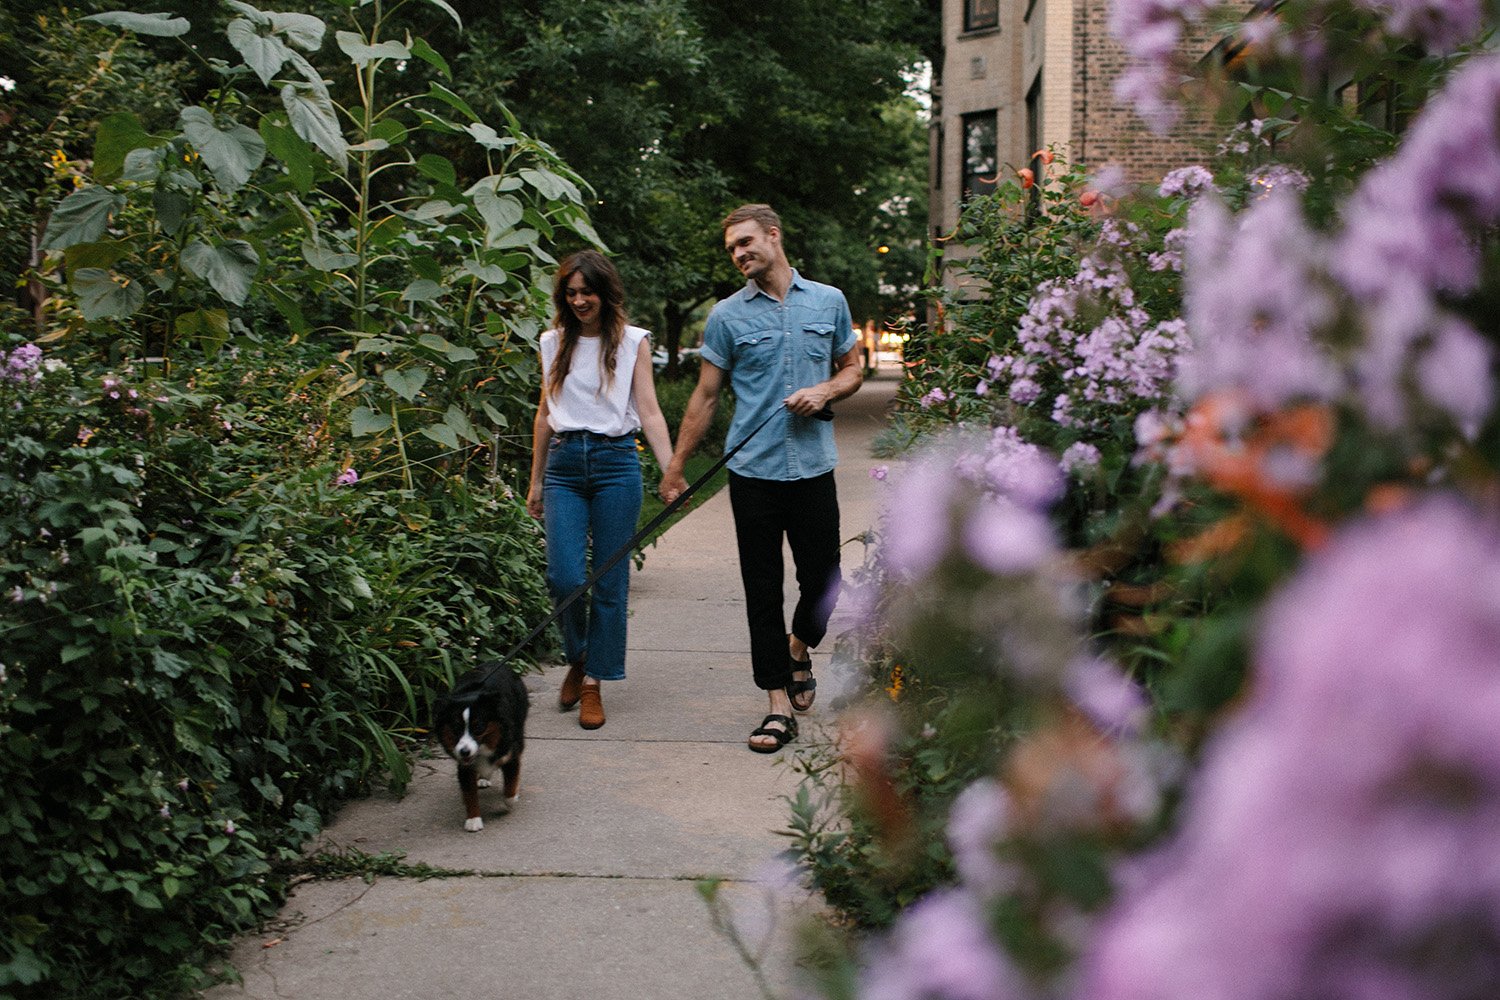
597	393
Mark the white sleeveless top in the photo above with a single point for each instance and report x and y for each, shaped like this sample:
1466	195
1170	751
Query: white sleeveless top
585	403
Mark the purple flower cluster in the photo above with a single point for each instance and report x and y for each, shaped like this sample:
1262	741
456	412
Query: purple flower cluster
1254	305
941	949
1274	177
934	397
22	366
1340	839
1186	182
1087	336
1151	32
1437	25
983	499
1410	239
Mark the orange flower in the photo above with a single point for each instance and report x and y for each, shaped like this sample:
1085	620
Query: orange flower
1088	198
1218	539
1045	155
1028	177
1232	450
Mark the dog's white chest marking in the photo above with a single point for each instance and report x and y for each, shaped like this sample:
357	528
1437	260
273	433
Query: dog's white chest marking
467	746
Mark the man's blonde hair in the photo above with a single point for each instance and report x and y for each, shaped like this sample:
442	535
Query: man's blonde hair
764	215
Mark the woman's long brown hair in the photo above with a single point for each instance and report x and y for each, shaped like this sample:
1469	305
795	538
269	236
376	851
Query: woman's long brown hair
601	278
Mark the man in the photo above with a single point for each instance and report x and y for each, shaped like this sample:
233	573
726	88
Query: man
789	348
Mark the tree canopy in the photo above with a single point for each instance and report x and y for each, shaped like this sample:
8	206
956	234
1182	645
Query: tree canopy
678	110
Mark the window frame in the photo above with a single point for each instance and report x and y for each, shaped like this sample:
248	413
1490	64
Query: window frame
968	177
974	22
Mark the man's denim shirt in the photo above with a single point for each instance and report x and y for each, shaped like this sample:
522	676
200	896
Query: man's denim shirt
770	350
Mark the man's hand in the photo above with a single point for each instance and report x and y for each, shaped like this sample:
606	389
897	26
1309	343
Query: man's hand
673	485
809	402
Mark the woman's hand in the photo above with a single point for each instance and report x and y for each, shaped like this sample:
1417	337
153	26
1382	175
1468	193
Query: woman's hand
534	501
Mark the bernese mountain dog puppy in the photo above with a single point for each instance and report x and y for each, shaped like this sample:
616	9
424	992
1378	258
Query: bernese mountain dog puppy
481	724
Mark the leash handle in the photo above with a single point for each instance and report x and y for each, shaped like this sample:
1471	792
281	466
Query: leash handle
825	414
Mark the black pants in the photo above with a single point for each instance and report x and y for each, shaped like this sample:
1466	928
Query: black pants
806	513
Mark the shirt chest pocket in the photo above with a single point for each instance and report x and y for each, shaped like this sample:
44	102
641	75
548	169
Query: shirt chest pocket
755	350
817	339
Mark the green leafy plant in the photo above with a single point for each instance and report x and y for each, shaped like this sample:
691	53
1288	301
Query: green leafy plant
434	283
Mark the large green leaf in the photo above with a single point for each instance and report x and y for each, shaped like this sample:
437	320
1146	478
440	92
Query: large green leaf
429	210
229	268
313	118
459	421
105	253
82	217
490	274
104	295
160	25
500	212
293	151
209	327
453	101
441	5
442	434
405	382
431	57
141	165
449	350
439	168
118	135
303	30
325	259
550	185
289	309
172	208
486	136
357	49
265	54
422	290
232	155
365	421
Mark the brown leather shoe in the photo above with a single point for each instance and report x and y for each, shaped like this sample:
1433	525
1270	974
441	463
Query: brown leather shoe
591	711
568	696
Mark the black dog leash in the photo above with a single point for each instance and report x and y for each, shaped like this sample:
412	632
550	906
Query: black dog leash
825	414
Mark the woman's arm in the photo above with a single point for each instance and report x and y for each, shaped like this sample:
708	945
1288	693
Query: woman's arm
653	424
541	433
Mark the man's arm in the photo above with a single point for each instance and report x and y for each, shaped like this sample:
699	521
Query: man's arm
695	422
846	379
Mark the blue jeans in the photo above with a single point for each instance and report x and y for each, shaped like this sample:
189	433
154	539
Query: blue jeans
591	494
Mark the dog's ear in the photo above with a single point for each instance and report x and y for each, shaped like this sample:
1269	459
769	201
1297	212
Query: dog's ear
439	710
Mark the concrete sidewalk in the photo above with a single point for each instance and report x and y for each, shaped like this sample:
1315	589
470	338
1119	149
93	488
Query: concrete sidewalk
587	888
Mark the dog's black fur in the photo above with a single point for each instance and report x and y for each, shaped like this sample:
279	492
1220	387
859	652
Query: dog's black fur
491	735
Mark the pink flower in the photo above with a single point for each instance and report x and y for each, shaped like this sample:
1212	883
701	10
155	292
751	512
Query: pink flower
347	478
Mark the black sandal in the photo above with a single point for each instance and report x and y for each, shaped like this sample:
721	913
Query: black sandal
795	687
781	736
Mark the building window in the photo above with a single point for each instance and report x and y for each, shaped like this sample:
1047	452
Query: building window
1034	140
979	157
937	158
981	14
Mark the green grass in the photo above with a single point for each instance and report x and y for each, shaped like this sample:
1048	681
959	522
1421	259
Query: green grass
652	504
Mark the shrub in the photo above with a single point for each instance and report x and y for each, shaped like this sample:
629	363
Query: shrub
205	648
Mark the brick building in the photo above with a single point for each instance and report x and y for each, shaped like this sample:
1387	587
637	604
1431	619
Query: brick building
1016	77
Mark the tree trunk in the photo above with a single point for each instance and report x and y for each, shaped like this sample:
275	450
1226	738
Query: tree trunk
672	338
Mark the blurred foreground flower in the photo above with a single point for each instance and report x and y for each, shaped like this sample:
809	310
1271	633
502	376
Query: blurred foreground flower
1341	839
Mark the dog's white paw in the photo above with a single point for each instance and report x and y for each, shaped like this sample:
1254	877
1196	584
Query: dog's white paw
512	800
474	825
484	782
